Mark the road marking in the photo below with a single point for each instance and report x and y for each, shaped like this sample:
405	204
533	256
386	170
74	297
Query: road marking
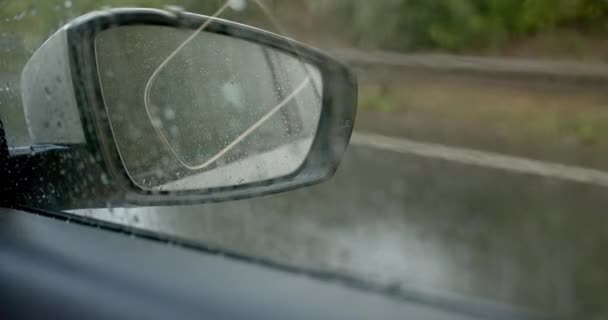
481	158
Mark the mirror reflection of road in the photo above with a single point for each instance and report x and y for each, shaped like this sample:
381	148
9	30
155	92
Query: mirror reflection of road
436	225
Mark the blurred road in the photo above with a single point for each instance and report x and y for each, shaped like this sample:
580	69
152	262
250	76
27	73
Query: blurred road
414	221
425	203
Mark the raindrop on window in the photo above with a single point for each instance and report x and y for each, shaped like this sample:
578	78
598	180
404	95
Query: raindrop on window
174	8
20	16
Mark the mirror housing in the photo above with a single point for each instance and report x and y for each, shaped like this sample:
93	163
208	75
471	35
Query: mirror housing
64	105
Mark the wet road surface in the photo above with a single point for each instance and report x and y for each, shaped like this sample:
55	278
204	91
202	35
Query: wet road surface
460	202
434	225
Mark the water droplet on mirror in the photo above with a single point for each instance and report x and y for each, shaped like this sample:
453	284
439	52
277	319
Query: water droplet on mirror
174	131
237	5
169	113
157	123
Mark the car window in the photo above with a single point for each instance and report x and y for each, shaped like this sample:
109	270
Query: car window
478	168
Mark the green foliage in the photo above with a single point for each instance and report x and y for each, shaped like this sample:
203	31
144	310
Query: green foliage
455	25
460	24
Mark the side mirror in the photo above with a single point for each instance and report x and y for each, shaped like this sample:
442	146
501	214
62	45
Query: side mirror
188	108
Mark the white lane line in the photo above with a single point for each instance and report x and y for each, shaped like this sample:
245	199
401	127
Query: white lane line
481	158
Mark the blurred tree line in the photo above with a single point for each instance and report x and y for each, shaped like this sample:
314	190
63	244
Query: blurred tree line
452	25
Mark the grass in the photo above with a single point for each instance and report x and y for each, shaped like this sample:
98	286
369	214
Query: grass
559	124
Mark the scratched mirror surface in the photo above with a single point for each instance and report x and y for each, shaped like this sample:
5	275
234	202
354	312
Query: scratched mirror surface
204	110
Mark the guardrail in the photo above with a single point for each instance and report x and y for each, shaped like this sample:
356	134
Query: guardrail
527	69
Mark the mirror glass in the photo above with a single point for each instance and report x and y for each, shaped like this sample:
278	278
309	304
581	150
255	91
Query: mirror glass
194	110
